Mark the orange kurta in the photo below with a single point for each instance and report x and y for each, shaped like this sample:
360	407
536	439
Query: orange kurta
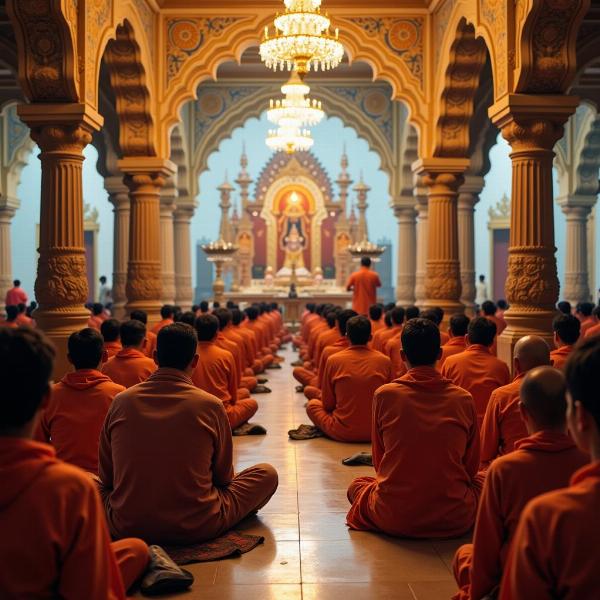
592	331
73	418
166	464
381	338
425	446
24	320
560	355
364	284
477	371
398	365
542	462
586	324
150	345
94	322
351	377
129	367
502	425
54	540
112	348
162	323
455	345
554	552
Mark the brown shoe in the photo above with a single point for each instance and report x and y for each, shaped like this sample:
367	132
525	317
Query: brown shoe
163	576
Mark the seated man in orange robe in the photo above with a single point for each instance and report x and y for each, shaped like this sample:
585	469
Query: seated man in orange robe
436	314
584	311
73	418
110	333
166	469
489	310
150	344
12	313
567	330
22	318
253	324
363	283
594	329
541	462
425	446
54	541
96	318
476	369
349	382
167	314
215	373
458	329
383	336
130	366
554	550
376	318
503	425
249	340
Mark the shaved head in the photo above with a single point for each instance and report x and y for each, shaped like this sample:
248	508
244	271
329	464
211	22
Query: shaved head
531	351
543	395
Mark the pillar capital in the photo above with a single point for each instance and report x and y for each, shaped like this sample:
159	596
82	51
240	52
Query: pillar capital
582	202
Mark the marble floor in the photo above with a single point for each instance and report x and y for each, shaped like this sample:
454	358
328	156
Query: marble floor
308	552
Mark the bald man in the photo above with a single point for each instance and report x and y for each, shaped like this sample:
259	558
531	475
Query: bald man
543	461
567	330
476	369
503	425
554	550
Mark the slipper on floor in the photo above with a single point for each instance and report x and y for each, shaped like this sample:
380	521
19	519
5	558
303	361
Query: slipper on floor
262	379
163	576
250	429
298	363
274	366
262	389
305	432
299	389
360	458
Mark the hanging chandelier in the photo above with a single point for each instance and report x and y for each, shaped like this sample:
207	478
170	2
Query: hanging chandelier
289	137
302	39
296	105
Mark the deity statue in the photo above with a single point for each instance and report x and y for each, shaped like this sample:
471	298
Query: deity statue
293	223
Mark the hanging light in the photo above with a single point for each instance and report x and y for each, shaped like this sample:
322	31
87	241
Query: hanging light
289	137
302	39
295	105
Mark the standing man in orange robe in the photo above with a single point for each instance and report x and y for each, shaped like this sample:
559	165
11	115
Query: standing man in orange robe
425	446
458	329
215	373
344	412
16	295
554	550
541	462
476	369
130	366
54	540
110	333
567	330
167	314
168	441
503	425
73	418
363	283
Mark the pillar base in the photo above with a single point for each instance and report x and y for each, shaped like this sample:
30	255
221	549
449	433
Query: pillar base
58	325
450	307
521	323
150	307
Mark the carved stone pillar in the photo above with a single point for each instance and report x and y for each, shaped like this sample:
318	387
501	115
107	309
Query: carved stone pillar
531	125
407	251
167	242
422	243
184	295
145	176
443	177
61	287
6	215
118	196
576	282
468	197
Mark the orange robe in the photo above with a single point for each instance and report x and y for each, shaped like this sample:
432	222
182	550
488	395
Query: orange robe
425	445
444	338
377	325
129	367
364	283
381	338
592	331
477	371
24	320
455	345
9	324
543	462
313	389
94	322
54	540
398	365
112	348
166	469
560	355
249	340
554	552
162	323
351	377
150	345
216	375
586	324
73	418
502	425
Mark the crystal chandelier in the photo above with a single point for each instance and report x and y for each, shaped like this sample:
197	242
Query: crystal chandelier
295	105
289	137
302	39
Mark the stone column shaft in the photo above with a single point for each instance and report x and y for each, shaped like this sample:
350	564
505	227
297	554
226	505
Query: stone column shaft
422	244
184	295
61	287
531	125
407	254
6	215
167	244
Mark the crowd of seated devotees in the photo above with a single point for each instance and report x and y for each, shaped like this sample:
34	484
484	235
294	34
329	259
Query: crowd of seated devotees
460	442
460	446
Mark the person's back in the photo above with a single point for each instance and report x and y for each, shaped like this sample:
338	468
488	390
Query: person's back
458	328
476	369
16	295
167	313
12	314
364	284
567	331
425	446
